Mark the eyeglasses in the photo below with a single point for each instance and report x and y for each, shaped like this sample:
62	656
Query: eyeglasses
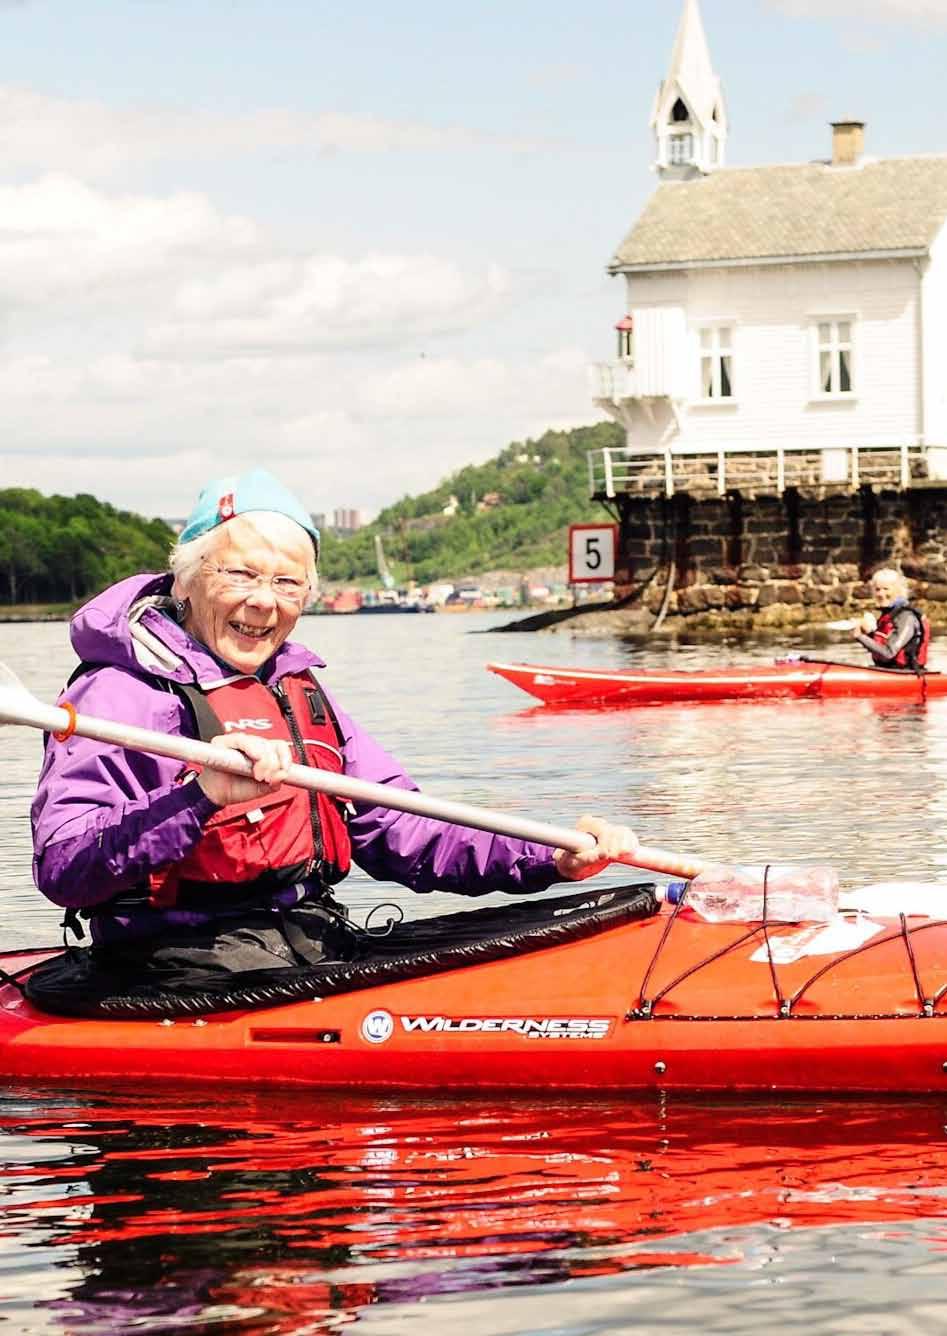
285	587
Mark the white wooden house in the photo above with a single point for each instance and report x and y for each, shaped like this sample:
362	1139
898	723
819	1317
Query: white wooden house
786	308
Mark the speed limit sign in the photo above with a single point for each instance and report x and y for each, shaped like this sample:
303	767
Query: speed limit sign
592	549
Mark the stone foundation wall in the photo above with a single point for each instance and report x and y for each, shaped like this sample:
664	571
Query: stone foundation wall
775	561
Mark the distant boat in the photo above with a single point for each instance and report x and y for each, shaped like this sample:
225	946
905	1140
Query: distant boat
795	677
345	601
396	607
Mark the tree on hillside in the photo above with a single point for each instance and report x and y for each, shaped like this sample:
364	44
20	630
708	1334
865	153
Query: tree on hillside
61	548
542	486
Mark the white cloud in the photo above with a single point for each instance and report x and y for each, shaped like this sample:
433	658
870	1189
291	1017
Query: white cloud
449	387
436	387
92	139
323	301
186	282
330	435
429	417
931	13
59	235
149	342
341	431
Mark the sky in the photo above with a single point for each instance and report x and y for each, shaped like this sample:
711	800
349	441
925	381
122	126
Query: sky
363	242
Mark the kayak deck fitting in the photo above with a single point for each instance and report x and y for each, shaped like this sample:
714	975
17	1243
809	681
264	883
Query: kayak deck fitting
604	992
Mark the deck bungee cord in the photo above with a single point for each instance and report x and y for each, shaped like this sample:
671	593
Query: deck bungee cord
927	1001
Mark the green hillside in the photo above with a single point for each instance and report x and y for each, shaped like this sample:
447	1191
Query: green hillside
63	548
512	513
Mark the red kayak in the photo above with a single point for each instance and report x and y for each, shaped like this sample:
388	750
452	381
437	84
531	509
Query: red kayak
796	679
607	991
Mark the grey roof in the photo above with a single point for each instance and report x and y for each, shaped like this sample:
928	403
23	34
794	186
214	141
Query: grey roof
802	210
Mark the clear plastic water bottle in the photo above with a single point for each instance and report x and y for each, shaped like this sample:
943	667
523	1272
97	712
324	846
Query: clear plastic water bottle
735	894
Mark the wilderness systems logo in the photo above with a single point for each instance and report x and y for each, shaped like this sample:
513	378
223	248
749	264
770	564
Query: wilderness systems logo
379	1026
530	1027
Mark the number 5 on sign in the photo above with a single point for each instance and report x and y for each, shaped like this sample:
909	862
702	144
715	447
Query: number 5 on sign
592	549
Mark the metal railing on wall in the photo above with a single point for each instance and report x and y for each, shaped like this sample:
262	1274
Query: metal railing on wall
613	471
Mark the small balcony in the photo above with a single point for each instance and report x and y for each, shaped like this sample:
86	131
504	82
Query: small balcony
612	383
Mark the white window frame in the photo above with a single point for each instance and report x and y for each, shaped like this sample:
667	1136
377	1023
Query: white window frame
827	339
716	341
687	153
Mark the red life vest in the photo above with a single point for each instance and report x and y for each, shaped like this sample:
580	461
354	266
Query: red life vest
914	654
279	838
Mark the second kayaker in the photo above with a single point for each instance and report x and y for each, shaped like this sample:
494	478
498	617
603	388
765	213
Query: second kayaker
899	636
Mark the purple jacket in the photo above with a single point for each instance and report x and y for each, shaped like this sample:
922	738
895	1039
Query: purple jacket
104	818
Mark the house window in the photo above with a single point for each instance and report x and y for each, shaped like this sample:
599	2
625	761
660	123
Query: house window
679	111
834	351
680	149
716	362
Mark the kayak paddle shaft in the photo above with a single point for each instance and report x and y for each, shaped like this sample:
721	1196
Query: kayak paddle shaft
19	706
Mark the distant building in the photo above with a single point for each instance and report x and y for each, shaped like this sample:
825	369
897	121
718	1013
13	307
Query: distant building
346	520
778	371
784	309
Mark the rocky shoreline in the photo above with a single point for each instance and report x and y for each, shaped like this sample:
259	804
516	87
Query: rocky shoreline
35	614
751	600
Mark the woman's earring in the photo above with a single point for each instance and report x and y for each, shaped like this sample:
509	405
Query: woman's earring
180	608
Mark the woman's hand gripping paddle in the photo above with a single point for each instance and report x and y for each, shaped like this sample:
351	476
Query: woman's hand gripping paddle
20	706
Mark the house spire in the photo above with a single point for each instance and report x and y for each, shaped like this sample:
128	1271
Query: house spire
689	118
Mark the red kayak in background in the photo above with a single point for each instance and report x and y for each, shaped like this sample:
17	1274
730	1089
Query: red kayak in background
792	679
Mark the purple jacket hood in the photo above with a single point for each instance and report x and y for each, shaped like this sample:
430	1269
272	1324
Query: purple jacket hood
126	626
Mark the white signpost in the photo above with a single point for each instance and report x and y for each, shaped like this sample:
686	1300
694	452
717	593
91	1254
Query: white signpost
592	552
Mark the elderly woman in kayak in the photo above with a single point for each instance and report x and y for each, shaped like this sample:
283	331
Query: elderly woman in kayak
899	636
178	871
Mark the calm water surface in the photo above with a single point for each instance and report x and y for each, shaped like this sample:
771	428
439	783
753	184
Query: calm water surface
255	1212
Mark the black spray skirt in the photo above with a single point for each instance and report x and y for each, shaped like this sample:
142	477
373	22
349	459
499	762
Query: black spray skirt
263	960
